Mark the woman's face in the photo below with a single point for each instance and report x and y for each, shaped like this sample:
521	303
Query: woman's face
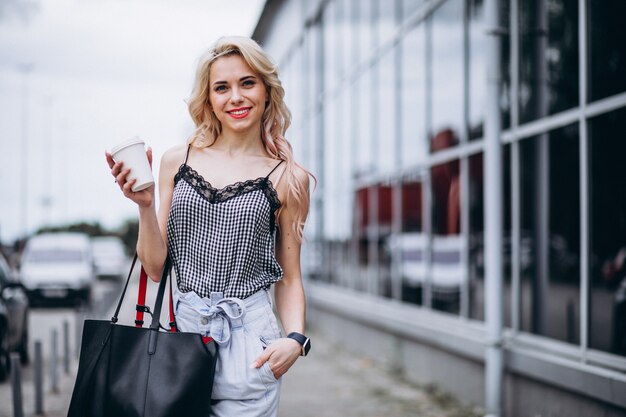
237	95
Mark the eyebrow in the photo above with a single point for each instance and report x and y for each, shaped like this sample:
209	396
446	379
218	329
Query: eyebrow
247	77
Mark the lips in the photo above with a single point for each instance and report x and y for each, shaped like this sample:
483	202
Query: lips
239	113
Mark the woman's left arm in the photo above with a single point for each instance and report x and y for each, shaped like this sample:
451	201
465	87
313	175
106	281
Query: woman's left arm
289	292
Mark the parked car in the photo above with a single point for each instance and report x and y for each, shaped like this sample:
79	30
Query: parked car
109	257
58	266
13	318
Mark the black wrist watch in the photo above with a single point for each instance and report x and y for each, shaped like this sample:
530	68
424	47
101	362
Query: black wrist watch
304	341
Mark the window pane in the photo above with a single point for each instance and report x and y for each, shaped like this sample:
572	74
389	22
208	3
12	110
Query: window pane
331	162
363	221
410	6
345	31
478	68
413	126
364	16
446	196
385	210
607	49
447	271
313	60
386	19
386	139
607	323
476	238
447	67
330	47
411	243
549	57
477	242
550	212
446	187
364	158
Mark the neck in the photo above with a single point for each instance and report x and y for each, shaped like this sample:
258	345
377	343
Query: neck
236	143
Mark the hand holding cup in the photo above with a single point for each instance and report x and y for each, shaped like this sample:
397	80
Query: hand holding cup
131	165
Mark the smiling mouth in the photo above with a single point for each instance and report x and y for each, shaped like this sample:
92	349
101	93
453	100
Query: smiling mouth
239	113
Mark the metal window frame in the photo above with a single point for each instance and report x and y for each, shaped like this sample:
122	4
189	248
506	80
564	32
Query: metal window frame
584	182
514	135
427	188
464	308
373	270
396	196
354	97
516	214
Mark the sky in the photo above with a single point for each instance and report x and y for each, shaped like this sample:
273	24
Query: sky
79	76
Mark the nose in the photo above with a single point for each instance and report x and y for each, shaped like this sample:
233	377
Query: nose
236	96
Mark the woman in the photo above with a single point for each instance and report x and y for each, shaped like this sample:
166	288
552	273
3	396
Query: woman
233	203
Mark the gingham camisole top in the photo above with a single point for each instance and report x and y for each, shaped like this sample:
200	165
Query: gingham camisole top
223	239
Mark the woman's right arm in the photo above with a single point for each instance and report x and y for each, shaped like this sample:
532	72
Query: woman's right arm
152	240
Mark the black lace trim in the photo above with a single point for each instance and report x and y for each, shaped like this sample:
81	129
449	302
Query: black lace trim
218	195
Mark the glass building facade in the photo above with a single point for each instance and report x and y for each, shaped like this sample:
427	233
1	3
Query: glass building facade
389	101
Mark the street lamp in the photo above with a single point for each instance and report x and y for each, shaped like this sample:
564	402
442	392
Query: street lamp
25	69
47	200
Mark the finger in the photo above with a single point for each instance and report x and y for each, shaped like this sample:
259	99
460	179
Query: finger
258	362
110	160
149	153
127	188
121	177
117	168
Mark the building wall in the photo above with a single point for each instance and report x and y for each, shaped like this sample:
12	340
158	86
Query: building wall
388	100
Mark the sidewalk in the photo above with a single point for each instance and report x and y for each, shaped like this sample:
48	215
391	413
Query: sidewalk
331	382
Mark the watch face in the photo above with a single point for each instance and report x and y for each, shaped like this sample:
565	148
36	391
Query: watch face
306	346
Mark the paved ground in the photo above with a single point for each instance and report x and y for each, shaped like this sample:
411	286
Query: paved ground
330	382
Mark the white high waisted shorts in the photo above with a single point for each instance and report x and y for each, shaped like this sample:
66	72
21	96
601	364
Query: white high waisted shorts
242	330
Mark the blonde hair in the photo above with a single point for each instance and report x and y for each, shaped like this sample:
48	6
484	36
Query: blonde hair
274	122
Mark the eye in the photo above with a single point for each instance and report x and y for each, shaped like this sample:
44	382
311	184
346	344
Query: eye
220	88
248	83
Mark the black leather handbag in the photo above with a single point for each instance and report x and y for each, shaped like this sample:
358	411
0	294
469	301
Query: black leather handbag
126	371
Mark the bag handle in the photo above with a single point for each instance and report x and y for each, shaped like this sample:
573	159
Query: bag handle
141	296
156	314
119	303
142	308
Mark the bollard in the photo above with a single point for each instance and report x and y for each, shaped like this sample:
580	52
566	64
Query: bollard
54	356
16	385
66	347
38	379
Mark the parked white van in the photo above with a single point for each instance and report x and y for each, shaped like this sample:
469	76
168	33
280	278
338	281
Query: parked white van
58	266
109	256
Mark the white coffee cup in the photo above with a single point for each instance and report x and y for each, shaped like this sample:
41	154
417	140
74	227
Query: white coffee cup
132	153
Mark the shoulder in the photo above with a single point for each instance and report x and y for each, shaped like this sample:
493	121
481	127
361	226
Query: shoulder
174	156
171	160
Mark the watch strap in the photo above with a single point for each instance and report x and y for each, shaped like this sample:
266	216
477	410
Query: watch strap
304	341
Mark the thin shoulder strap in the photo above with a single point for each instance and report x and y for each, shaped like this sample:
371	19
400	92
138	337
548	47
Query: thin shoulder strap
274	169
187	156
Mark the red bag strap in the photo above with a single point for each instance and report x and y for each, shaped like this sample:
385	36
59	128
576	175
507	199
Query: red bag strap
141	298
141	307
173	327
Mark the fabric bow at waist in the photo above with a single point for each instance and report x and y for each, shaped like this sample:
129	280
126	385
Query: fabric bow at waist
222	315
217	312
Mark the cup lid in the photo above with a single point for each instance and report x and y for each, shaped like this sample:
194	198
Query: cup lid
130	142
